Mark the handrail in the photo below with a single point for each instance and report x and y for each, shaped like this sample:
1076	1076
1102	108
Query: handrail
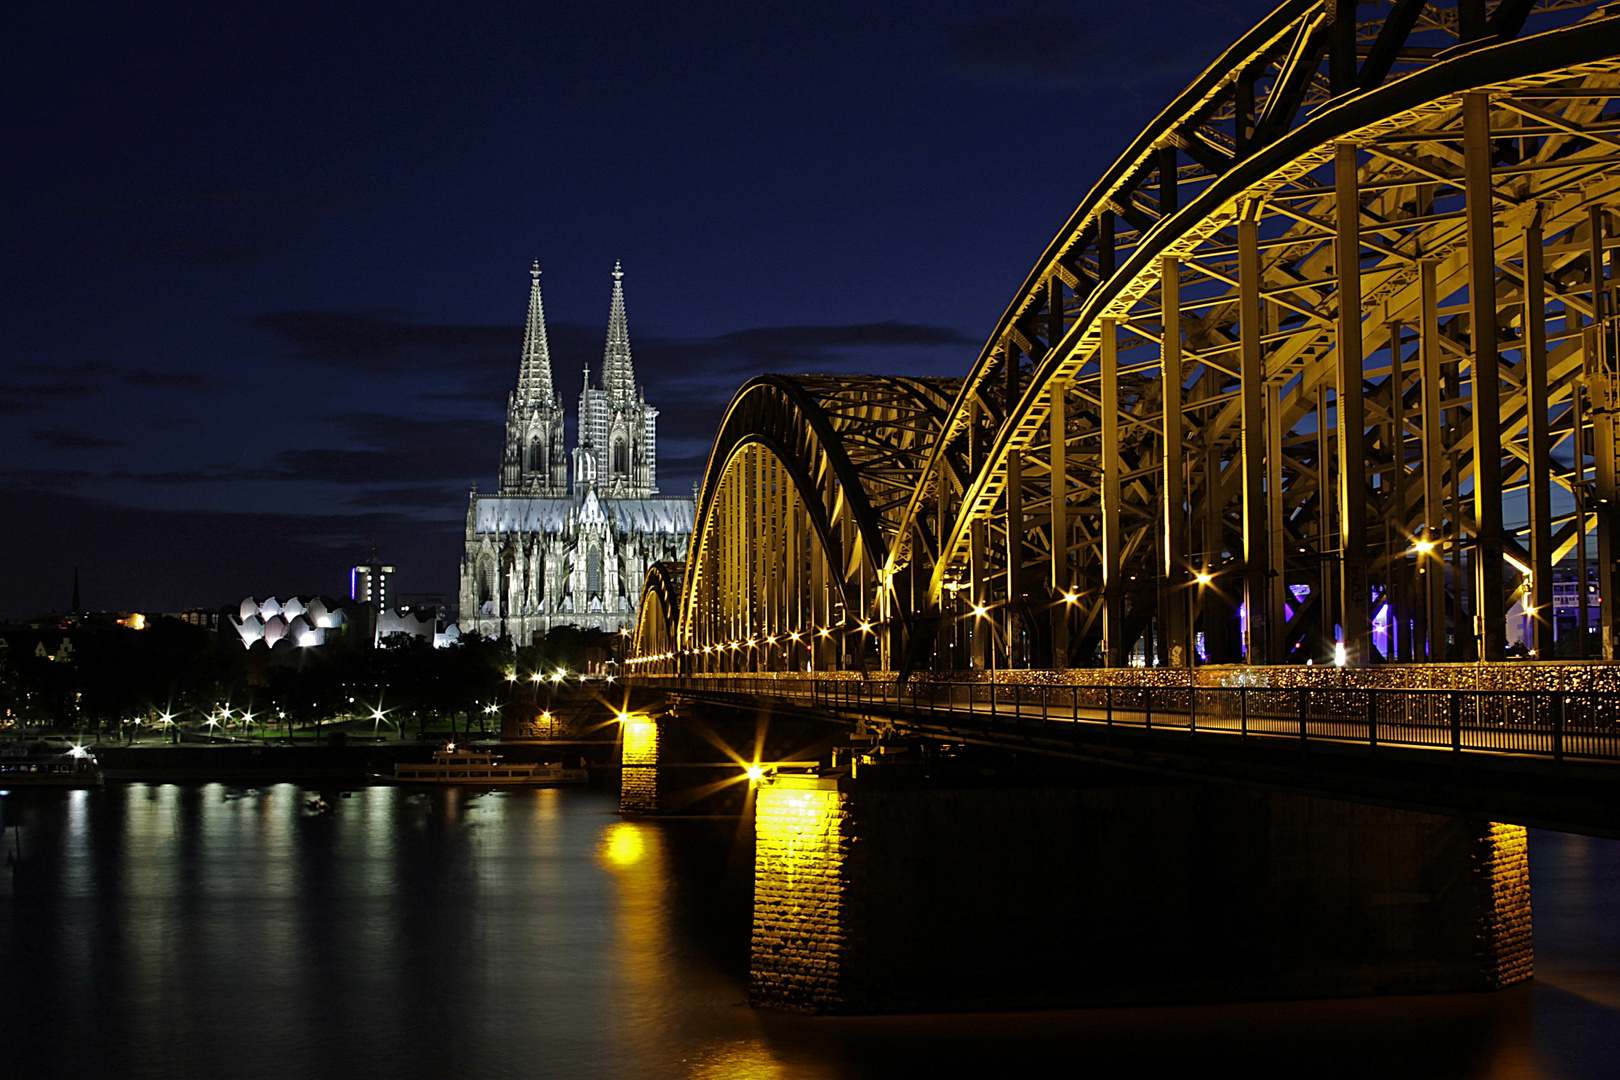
1558	725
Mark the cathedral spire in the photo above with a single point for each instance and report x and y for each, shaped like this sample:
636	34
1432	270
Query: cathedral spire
534	379
618	373
534	461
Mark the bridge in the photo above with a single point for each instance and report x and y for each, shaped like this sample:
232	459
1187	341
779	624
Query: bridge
1262	474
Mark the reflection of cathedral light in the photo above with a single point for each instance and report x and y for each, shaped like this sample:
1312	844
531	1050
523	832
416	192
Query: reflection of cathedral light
541	554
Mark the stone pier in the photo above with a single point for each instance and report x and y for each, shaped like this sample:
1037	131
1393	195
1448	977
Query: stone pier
873	896
638	766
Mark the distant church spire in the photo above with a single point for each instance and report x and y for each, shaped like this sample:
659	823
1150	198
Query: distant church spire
535	462
534	379
618	373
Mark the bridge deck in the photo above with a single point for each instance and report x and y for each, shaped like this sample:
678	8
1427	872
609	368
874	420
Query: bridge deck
1544	758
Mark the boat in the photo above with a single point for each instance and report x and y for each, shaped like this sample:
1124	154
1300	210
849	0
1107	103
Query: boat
22	766
480	768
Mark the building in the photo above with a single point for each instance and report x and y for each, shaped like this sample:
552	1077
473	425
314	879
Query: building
544	552
372	583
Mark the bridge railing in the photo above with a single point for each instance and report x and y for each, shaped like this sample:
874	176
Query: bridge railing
1555	724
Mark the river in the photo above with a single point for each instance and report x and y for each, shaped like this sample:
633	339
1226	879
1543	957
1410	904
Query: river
207	931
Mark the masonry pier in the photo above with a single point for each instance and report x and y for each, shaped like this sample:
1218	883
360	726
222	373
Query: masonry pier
877	892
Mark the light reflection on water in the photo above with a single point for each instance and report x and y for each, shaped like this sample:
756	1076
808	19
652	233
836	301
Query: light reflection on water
156	931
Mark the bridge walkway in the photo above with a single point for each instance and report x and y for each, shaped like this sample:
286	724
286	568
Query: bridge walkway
1549	759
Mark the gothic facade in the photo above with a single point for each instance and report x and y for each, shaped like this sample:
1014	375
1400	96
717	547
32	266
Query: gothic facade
542	552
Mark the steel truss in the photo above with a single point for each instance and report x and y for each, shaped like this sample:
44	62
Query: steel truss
1378	261
803	492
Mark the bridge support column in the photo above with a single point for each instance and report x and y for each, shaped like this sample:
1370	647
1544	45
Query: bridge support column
1354	591
1174	596
1061	579
877	896
1490	601
1252	395
1604	397
638	766
1113	612
1539	469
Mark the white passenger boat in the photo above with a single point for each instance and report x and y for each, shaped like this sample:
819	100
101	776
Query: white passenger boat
22	766
478	768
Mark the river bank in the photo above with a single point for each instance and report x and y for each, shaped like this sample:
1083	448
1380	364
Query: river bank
351	763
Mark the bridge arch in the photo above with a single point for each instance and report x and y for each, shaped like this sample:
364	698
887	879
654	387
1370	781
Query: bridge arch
1323	367
794	517
1226	512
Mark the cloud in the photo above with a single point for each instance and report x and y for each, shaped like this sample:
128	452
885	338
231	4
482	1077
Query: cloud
395	450
386	340
19	397
423	498
774	347
68	382
60	439
173	380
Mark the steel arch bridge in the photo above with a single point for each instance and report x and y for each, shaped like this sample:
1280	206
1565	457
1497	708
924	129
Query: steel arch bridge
1326	361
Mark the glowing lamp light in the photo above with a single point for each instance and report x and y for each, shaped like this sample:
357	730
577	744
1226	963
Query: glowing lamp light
556	679
825	632
1423	547
1203	577
1341	656
1071	597
795	636
866	628
754	773
980	610
78	751
376	714
535	677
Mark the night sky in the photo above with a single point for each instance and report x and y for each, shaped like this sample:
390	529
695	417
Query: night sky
266	265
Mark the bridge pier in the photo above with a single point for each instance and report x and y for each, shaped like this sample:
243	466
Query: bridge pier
638	766
883	893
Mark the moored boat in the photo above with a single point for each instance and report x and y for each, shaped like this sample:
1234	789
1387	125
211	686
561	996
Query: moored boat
22	766
480	768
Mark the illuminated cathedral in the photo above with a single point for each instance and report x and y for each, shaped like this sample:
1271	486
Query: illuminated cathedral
551	550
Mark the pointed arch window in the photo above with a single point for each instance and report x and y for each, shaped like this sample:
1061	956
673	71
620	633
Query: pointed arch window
593	570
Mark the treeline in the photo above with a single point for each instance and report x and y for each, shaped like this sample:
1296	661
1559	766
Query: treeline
111	676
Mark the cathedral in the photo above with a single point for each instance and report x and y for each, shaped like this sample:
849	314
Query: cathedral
544	551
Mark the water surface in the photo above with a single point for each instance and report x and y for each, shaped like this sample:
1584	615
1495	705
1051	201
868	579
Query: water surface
200	930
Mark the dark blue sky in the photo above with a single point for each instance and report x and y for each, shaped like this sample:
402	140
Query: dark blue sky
266	264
